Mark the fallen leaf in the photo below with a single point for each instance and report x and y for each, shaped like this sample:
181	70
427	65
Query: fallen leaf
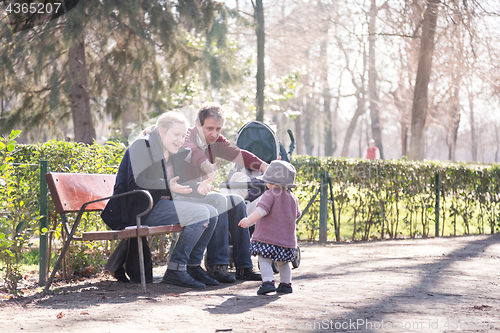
59	315
84	313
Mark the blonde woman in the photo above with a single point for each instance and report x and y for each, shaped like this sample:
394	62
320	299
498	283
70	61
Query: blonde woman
155	162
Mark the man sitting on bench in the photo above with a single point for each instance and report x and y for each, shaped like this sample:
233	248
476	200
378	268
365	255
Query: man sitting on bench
206	143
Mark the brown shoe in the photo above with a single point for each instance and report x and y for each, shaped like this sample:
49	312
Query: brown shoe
219	272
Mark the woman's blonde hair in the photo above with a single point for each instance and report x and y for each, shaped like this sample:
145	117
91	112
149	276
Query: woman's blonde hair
167	120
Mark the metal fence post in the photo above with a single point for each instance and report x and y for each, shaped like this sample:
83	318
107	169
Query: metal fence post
323	209
43	225
438	188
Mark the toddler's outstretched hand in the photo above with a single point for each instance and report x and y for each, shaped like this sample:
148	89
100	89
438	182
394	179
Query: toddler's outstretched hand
244	222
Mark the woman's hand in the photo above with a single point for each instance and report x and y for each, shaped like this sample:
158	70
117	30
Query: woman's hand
177	188
244	222
204	188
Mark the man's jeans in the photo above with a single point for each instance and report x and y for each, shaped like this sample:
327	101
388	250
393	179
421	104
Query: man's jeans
231	209
200	221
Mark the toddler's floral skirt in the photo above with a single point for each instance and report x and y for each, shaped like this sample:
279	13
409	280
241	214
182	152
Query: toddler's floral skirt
270	251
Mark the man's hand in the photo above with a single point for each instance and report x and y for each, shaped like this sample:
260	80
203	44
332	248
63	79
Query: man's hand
264	166
210	169
245	222
204	188
177	188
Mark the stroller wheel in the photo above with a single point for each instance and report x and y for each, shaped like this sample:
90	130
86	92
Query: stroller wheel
296	260
275	267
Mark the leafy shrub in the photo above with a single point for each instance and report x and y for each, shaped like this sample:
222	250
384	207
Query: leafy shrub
19	198
387	198
17	213
372	199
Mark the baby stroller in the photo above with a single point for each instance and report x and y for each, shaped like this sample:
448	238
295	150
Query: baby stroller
261	140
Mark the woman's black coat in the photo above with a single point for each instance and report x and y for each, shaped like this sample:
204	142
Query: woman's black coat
143	167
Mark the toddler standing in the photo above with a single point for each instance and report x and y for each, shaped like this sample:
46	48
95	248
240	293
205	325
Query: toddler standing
274	236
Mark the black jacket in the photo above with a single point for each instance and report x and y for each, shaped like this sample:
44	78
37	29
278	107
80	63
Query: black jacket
144	167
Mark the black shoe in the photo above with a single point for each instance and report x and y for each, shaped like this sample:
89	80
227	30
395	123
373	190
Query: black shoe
284	288
266	287
199	274
120	275
181	278
248	274
219	272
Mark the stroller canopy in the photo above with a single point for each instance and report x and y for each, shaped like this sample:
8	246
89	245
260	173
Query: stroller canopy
260	139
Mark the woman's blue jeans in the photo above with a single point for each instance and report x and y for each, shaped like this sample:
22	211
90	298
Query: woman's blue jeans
199	221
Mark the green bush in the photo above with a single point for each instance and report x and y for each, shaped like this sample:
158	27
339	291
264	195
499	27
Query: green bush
19	197
391	198
16	214
373	199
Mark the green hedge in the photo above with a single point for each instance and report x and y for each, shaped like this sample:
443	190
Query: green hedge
19	200
373	199
397	198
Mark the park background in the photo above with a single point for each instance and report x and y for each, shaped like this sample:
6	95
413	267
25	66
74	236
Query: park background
419	77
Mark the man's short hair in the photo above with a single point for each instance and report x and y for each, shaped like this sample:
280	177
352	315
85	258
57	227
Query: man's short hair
210	110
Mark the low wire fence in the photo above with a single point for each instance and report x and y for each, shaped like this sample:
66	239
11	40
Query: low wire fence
387	199
342	200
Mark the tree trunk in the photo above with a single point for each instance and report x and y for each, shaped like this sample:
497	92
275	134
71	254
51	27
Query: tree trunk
454	122
473	129
404	114
457	66
298	135
498	143
404	139
360	96
308	133
372	80
259	18
335	114
326	99
80	99
419	108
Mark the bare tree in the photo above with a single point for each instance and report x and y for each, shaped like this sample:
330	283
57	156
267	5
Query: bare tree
420	106
261	42
372	79
360	94
402	101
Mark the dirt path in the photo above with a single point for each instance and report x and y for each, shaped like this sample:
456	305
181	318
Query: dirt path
427	285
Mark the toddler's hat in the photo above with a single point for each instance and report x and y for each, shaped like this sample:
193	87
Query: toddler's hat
279	173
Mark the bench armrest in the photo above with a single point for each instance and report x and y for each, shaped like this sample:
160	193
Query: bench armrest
84	206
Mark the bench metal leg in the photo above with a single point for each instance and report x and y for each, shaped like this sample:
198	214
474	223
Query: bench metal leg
141	263
63	252
141	254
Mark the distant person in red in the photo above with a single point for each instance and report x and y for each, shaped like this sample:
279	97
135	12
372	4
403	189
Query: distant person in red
372	152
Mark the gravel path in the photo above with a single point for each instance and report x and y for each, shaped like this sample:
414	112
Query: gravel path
423	285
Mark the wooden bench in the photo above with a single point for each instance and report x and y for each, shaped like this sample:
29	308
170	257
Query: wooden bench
80	193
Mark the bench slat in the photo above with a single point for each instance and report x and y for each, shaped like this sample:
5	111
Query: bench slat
70	191
131	232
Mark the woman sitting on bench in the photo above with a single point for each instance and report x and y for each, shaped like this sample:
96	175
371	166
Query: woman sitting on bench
154	162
